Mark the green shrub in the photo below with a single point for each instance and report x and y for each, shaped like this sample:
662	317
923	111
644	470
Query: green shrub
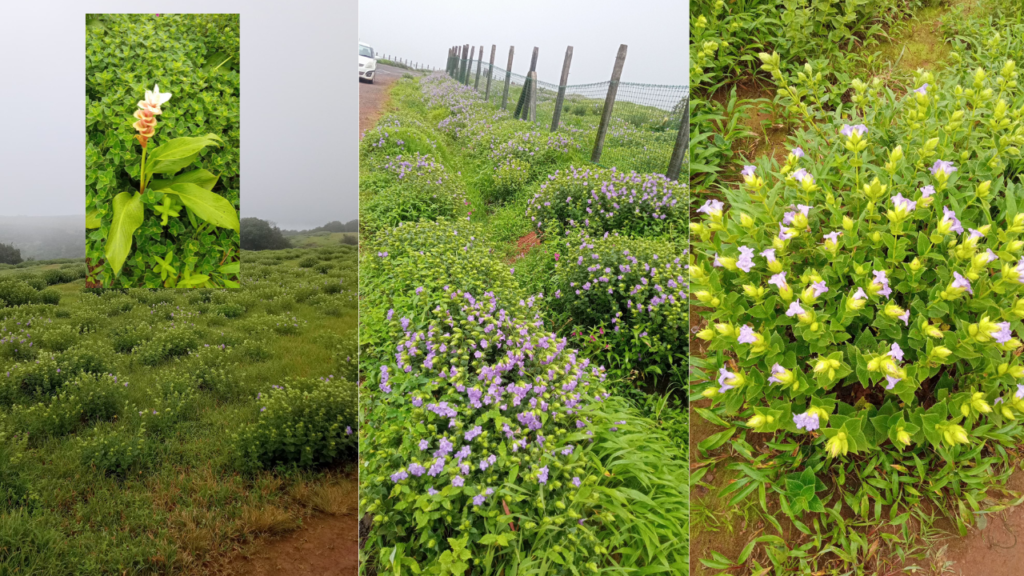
168	343
88	399
306	423
17	293
58	338
117	452
126	337
409	189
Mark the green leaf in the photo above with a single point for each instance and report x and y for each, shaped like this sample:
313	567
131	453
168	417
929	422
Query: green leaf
128	216
211	207
176	154
92	219
230	268
202	178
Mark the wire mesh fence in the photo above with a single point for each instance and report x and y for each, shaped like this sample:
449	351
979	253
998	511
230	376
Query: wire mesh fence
645	131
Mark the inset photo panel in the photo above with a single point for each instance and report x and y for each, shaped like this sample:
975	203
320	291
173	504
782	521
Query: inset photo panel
163	178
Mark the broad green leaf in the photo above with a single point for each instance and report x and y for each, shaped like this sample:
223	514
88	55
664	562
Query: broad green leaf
202	178
211	207
176	154
128	216
92	219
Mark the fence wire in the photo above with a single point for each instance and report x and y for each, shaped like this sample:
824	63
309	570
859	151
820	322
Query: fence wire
645	118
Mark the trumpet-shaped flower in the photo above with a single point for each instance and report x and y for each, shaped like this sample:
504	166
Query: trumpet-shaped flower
746	259
943	167
849	131
747	335
961	283
780	375
748	171
1003	334
807	421
880	285
712	208
903	205
949	222
895	352
794	309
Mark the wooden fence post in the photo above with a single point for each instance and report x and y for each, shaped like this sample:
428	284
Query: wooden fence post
533	96
490	72
521	109
469	66
609	103
508	78
682	144
465	60
479	63
560	99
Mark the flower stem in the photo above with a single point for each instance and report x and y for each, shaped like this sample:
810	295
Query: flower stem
142	173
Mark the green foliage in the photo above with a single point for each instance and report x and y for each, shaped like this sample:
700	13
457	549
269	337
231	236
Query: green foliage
259	234
194	57
9	254
117	452
307	423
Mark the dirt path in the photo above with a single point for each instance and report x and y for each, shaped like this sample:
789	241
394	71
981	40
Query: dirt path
325	545
374	97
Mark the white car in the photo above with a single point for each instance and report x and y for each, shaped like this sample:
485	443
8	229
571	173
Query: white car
367	63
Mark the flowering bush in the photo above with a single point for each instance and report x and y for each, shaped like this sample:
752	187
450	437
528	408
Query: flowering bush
601	200
409	188
626	301
863	296
307	423
117	452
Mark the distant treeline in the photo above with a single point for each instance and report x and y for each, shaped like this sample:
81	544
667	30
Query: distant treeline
9	254
257	234
332	227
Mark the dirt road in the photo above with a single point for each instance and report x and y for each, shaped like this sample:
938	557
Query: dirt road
374	97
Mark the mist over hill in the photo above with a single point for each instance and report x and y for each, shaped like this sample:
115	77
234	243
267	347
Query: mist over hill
45	237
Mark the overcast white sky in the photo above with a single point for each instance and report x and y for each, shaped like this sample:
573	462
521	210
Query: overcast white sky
656	31
300	105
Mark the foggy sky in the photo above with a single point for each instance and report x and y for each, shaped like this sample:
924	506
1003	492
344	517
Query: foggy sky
656	31
299	105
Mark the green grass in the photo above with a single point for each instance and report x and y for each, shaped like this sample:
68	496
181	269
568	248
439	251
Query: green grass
188	504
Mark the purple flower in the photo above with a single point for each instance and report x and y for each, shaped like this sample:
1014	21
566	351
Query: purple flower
405	323
900	202
769	254
905	317
746	259
1002	335
783	235
424	444
950	216
892	381
724	375
798	152
542	475
927	191
748	171
923	89
849	131
711	206
576	481
399	476
416	469
391	312
859	294
819	288
458	482
896	352
943	166
780	280
794	309
800	174
716	264
419	290
473	433
478	499
882	281
747	335
432	492
961	282
776	370
1020	392
834	236
807	421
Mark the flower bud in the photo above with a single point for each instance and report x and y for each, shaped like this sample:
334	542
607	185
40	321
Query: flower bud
915	265
837	445
903	436
847	223
896	155
710	392
983	189
1006	412
930	330
876	236
1015	246
706	334
775	266
696	228
746	221
704	296
978	403
756	421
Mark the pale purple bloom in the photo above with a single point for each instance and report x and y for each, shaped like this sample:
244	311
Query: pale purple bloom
776	370
423	445
834	236
416	469
975	233
783	235
711	206
882	281
542	475
949	215
748	171
716	264
800	174
807	421
896	352
798	152
849	131
943	166
900	202
892	381
923	89
724	375
432	492
1020	392
1004	334
1019	269
747	335
905	317
794	309
927	191
819	288
576	481
458	482
399	476
746	259
478	499
860	294
769	254
961	282
780	279
991	255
